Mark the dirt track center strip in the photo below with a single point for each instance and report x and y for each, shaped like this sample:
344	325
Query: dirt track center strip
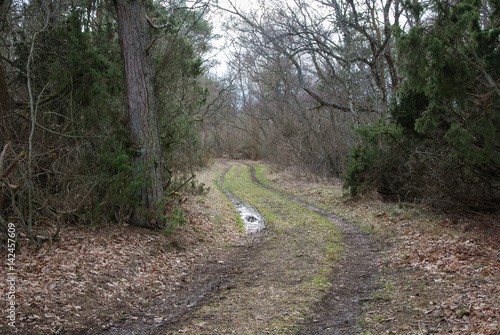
284	287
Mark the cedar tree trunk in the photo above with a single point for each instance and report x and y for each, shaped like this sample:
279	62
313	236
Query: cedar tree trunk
143	118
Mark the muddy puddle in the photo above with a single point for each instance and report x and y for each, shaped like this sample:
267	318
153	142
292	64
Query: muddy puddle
250	216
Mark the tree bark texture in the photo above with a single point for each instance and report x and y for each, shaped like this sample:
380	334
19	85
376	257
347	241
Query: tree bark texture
4	93
143	118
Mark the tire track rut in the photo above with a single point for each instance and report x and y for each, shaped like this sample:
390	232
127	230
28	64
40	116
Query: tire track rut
352	279
247	267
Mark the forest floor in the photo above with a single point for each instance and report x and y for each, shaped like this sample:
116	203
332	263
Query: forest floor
383	268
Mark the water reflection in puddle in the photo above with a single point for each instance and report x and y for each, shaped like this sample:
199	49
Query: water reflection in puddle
251	217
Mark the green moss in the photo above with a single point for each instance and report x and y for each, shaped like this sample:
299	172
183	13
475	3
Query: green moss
292	274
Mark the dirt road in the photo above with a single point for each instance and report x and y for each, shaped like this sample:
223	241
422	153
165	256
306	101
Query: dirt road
307	272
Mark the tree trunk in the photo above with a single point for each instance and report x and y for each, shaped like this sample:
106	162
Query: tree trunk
143	118
4	93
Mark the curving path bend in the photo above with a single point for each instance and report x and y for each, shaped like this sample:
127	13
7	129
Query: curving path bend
352	279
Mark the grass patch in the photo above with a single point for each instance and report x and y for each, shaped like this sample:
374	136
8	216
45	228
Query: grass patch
289	270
